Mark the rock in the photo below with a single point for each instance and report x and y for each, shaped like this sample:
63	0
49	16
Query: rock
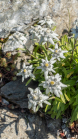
15	14
64	13
66	131
52	126
16	92
14	124
18	16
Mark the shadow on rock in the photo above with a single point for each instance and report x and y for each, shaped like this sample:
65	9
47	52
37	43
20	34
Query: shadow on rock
14	124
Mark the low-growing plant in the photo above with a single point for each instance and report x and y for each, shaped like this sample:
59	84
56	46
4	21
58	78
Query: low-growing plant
55	64
7	67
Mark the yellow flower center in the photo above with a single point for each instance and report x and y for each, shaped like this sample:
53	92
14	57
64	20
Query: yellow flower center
35	97
35	91
56	51
24	70
52	82
46	64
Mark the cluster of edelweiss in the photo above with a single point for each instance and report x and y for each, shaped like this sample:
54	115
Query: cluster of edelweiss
42	34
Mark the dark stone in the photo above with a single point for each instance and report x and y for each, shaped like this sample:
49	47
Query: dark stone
16	92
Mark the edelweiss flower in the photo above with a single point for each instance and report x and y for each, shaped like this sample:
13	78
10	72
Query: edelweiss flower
53	85
47	20
35	32
43	35
26	72
47	66
48	36
57	52
36	98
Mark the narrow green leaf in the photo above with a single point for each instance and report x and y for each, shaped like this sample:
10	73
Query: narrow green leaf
28	81
62	98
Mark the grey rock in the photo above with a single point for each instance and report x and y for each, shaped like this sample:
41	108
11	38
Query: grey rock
4	33
52	126
18	16
64	120
66	131
64	13
16	92
14	14
14	124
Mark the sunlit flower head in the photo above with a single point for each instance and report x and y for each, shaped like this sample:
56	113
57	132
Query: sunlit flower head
57	52
48	36
26	72
43	35
47	21
53	85
36	98
46	66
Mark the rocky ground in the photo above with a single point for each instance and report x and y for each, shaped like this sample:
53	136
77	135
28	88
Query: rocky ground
15	124
16	121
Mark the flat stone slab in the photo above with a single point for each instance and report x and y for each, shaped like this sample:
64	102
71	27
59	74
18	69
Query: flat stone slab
16	92
14	124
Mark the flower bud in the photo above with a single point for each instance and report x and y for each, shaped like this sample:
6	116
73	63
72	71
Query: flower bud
18	54
5	65
8	55
2	39
13	66
14	78
3	62
8	69
15	73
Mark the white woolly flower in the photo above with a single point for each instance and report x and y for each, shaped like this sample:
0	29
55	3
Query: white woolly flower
57	52
47	36
26	72
36	98
43	35
47	20
53	85
47	66
35	32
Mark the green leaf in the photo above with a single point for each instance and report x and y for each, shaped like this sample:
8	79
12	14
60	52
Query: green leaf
52	116
36	49
45	51
58	99
75	103
58	106
62	98
47	107
74	115
58	114
68	75
54	28
37	108
70	82
28	81
66	97
65	71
